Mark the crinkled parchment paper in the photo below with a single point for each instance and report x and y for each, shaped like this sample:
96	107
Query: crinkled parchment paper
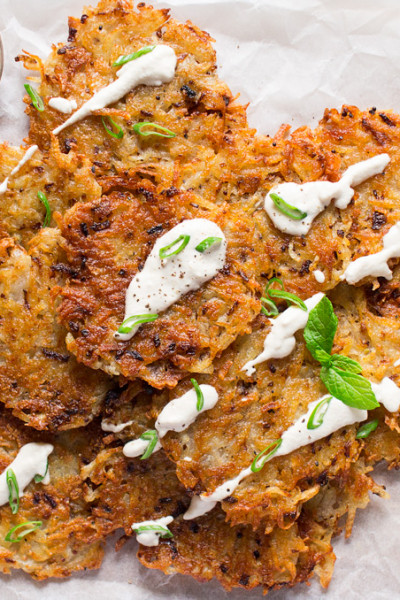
290	59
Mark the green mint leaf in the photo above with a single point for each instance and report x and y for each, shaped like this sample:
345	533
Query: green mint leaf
350	388
321	328
344	363
323	357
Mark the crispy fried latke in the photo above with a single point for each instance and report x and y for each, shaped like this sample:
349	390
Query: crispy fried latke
39	379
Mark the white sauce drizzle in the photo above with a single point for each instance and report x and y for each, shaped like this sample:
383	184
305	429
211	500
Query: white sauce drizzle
313	197
155	68
27	156
162	282
177	415
106	426
151	538
63	105
319	276
397	363
338	415
280	341
375	265
31	460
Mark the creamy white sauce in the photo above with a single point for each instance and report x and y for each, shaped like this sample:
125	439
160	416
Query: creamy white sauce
375	265
63	105
138	447
106	426
27	156
319	276
151	538
280	341
154	68
387	393
313	197
31	460
397	363
177	415
162	282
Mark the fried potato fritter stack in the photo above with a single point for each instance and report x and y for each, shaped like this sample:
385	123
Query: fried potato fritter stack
62	297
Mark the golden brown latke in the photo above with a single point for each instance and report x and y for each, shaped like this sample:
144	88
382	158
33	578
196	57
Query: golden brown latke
39	379
68	540
107	242
63	178
254	411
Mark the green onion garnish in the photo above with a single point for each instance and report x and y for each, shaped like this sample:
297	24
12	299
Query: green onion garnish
273	309
151	436
317	416
199	394
366	429
122	60
290	298
182	238
262	458
36	99
138	128
43	198
115	131
39	478
287	209
29	527
207	243
13	489
134	320
164	532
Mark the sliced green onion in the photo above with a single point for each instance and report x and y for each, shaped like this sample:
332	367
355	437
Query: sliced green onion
138	128
39	478
36	99
122	60
290	298
287	209
182	238
116	131
273	309
366	429
151	436
29	527
131	322
164	532
317	416
207	243
13	489
199	394
262	458
43	198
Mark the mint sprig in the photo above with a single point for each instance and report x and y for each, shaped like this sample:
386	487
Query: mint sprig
340	374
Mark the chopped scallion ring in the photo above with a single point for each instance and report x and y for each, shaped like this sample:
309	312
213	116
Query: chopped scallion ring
366	429
290	298
138	128
134	320
164	251
39	478
207	243
115	131
29	526
151	436
287	209
13	489
164	532
199	394
262	458
273	309
122	60
43	198
36	99
317	416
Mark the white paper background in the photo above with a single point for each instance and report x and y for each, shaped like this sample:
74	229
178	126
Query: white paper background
290	59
